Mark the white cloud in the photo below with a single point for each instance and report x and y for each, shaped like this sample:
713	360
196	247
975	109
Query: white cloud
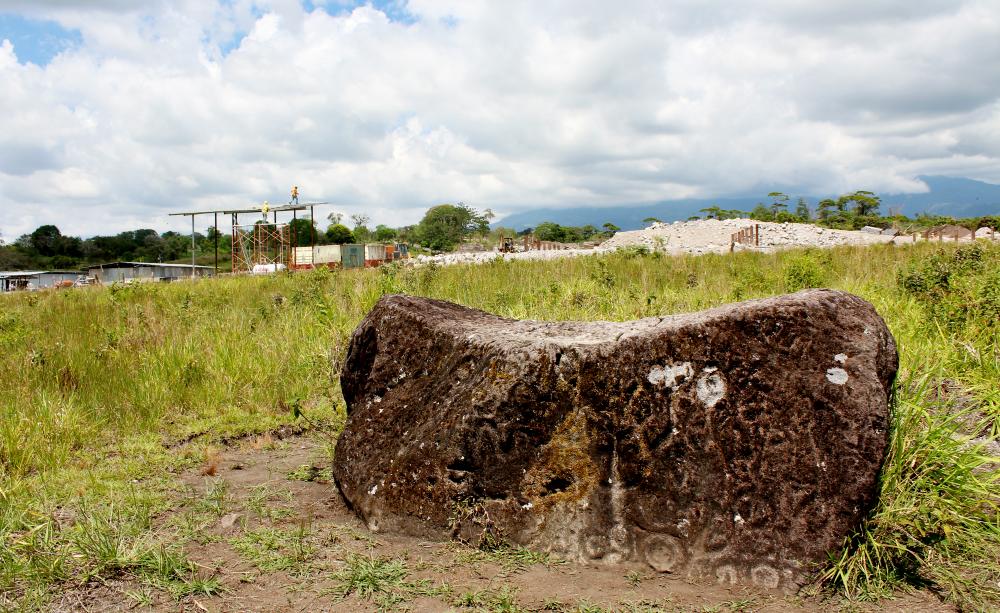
196	104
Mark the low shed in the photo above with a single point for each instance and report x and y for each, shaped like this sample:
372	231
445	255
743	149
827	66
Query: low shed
35	279
146	271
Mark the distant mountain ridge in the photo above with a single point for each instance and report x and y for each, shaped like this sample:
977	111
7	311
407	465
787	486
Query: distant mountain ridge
954	196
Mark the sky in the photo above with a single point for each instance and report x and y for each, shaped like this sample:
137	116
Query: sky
114	113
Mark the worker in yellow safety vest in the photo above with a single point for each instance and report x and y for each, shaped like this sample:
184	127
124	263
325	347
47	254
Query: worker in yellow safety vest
295	195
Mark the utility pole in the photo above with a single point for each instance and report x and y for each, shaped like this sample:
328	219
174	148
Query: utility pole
192	247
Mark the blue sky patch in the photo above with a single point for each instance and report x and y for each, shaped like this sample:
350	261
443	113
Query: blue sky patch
395	10
36	41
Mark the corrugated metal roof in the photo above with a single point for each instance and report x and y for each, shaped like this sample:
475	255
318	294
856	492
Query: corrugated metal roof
145	264
34	273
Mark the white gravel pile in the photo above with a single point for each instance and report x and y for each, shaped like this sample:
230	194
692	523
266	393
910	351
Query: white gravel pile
713	236
485	256
700	236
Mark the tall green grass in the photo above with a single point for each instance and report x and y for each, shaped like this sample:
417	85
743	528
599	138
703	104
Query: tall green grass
105	392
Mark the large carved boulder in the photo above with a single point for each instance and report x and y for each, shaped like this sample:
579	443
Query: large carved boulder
741	443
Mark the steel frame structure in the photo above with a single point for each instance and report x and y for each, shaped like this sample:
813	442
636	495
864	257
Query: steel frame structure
262	243
274	244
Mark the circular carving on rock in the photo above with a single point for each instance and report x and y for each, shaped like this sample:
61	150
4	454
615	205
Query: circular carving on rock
726	574
765	576
595	546
664	553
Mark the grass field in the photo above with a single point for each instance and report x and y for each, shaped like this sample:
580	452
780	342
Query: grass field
107	394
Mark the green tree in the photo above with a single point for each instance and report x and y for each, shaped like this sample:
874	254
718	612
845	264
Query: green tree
488	216
406	234
779	202
339	234
303	232
825	208
865	203
447	225
712	212
802	210
45	240
361	232
610	229
651	220
762	213
549	231
384	234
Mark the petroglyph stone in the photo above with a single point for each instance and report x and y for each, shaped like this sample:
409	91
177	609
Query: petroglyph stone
737	444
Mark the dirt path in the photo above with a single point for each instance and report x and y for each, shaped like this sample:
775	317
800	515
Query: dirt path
263	521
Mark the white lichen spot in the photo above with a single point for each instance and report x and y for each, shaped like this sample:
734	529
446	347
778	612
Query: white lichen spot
738	520
837	376
840	357
682	526
527	506
711	389
374	489
670	376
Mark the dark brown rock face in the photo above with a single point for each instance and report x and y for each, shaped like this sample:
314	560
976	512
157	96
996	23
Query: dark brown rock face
740	443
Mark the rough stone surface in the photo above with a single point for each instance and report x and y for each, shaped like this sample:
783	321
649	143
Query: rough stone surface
738	444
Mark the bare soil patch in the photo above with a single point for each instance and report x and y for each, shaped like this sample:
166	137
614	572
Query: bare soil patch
263	518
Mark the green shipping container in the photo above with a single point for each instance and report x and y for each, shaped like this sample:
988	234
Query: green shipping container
352	256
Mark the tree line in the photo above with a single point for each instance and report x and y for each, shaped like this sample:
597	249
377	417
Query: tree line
851	211
442	228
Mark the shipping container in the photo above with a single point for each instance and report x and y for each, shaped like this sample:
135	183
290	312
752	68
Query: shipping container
402	251
374	254
302	257
352	256
388	253
320	255
329	255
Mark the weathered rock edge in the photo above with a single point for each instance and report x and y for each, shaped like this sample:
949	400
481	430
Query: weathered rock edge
741	443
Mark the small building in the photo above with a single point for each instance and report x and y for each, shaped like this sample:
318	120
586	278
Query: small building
36	279
374	254
127	272
352	256
318	255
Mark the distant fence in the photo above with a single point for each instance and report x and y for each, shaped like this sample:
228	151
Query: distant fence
533	244
747	236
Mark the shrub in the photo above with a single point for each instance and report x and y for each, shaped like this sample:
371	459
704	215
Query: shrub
804	271
956	288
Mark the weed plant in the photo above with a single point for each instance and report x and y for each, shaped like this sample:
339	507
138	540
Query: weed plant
107	393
